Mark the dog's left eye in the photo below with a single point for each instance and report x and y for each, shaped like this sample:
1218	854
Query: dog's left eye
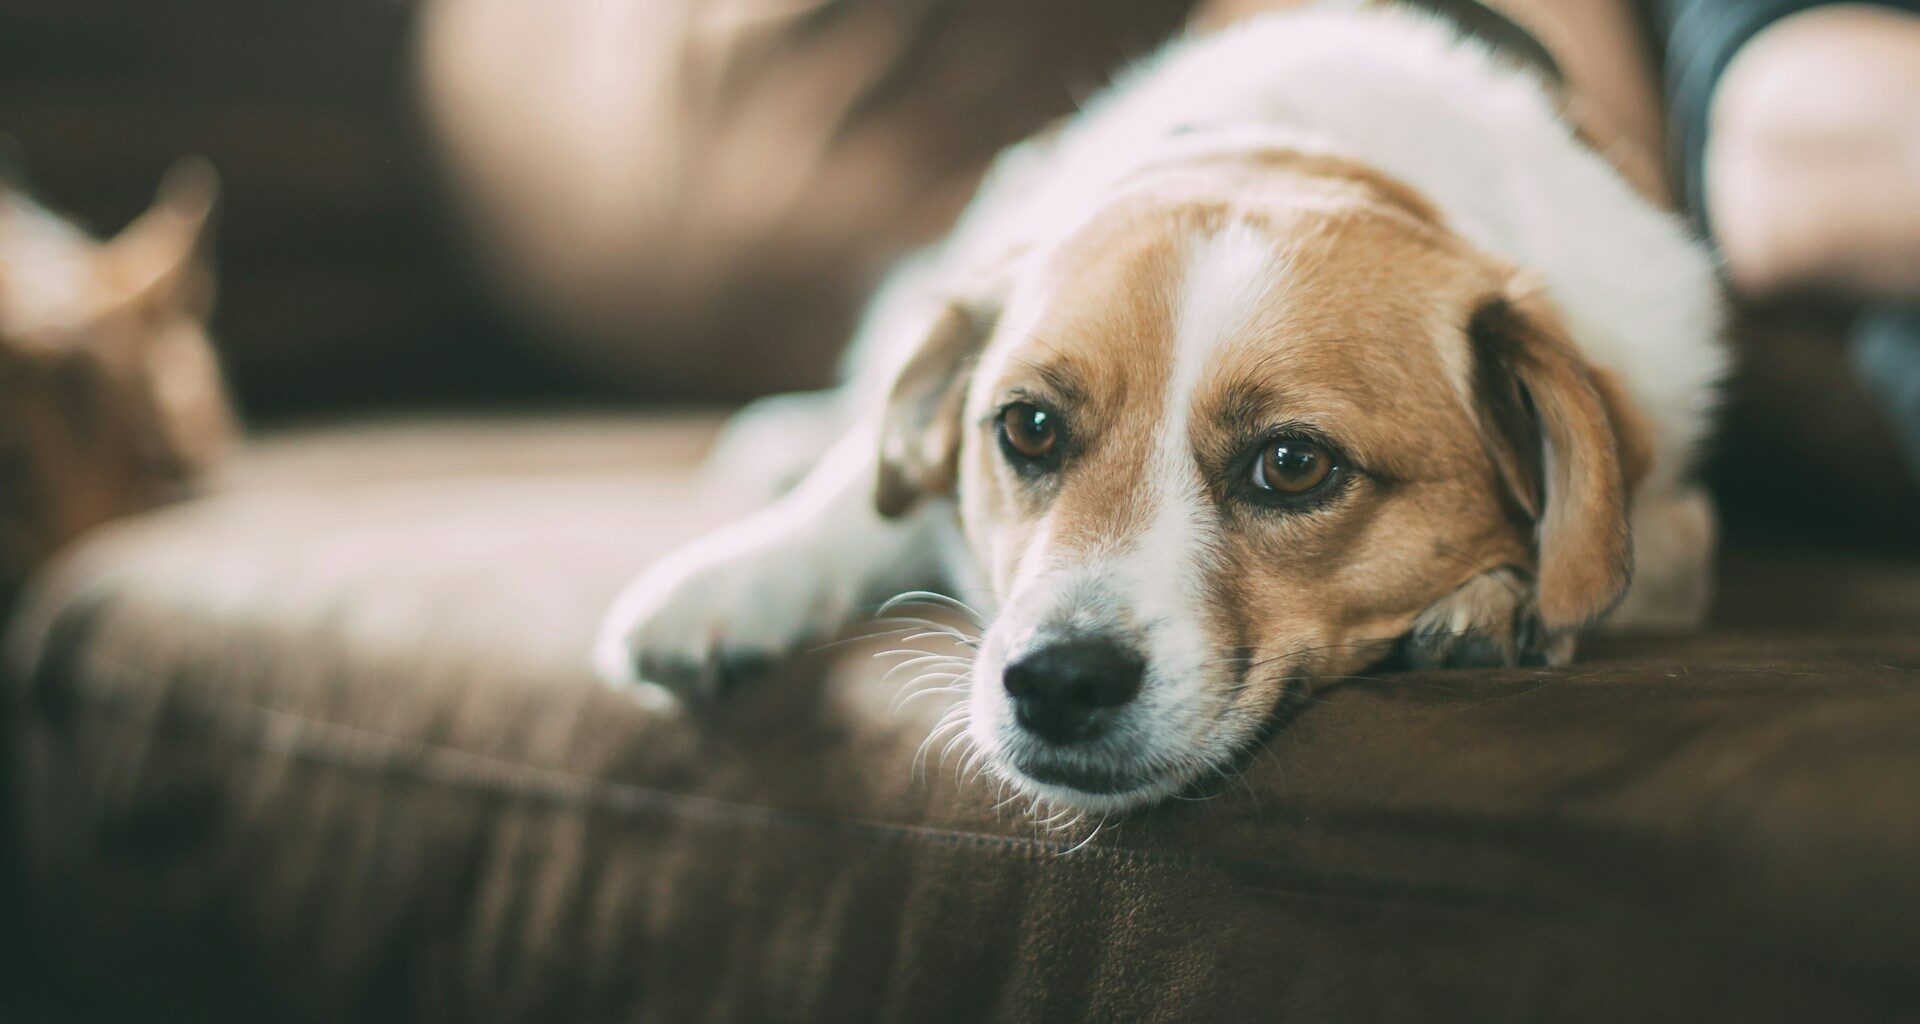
1028	431
1293	467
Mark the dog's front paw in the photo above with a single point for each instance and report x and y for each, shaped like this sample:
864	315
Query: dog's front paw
710	618
1488	622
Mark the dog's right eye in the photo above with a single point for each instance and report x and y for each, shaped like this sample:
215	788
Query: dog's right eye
1028	433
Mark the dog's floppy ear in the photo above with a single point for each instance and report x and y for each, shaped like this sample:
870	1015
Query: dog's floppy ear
1568	447
920	427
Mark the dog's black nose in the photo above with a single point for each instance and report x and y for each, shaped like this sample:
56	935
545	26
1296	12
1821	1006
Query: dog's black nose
1067	691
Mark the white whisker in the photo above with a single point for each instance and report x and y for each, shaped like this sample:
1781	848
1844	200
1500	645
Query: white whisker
939	600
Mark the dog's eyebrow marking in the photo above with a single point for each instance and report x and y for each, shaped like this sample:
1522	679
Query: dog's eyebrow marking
1243	413
1061	382
1243	408
1052	381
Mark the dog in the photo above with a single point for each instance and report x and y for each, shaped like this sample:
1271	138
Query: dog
1315	342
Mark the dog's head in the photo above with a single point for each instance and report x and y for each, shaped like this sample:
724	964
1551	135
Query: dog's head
1257	420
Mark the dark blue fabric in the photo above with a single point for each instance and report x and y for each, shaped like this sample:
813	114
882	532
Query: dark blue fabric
1700	38
1885	346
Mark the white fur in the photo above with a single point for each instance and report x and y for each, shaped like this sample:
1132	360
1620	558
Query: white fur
799	568
1386	87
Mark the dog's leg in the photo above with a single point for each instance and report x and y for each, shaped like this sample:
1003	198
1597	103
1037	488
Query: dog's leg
782	437
730	604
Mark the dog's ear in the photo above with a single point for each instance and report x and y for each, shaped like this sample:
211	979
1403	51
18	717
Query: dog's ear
920	427
1569	448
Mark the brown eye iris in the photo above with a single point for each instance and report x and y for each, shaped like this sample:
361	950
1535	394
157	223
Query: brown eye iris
1029	430
1292	466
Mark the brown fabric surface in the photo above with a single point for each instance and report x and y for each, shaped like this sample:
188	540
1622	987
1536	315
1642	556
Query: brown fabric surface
325	748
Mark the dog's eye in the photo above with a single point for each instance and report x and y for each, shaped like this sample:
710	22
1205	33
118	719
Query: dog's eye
1029	431
1292	467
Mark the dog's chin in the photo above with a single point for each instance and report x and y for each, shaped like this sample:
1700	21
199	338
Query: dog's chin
1091	789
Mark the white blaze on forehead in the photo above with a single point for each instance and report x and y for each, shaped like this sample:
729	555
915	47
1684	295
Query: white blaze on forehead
1228	291
1228	294
1232	278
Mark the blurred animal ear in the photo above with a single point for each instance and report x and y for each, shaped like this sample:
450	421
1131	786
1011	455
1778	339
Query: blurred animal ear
155	263
1569	448
920	428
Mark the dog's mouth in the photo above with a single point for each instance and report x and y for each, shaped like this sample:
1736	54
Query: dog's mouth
1096	781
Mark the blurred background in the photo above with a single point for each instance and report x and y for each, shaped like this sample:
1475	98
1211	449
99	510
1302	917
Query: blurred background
496	203
341	279
483	275
475	201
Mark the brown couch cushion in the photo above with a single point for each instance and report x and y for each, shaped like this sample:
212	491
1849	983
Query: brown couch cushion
325	748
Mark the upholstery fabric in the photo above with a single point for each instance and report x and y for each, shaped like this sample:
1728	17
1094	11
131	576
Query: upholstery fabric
324	747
